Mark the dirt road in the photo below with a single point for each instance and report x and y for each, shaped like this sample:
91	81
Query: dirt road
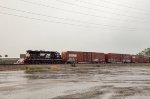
105	82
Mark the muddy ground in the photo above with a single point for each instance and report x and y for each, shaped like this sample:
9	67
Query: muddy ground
81	82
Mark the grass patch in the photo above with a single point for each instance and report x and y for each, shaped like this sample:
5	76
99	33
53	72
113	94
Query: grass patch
39	68
33	68
54	67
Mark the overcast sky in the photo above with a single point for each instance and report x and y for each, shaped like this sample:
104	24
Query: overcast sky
119	26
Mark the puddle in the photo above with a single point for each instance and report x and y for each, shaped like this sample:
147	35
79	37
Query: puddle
90	82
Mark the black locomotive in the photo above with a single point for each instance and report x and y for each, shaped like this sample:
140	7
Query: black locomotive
42	57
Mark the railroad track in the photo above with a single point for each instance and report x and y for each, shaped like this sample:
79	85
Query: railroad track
103	64
25	64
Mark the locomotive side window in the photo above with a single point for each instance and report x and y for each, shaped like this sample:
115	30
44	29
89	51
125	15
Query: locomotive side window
42	54
48	56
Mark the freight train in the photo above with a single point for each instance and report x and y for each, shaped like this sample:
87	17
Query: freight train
54	57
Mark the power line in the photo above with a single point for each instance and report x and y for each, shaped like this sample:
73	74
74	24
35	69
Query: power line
71	11
50	21
56	17
38	19
125	6
98	5
68	3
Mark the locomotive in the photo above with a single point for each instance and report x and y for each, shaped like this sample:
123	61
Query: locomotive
42	57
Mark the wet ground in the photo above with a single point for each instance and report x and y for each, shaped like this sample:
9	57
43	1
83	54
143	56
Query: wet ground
105	82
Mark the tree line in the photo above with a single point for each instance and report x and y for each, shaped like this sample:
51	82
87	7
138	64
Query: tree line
4	55
145	52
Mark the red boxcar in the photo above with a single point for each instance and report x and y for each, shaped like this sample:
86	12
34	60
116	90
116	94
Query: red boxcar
83	57
113	58
87	57
146	59
71	56
98	57
136	59
140	59
126	58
